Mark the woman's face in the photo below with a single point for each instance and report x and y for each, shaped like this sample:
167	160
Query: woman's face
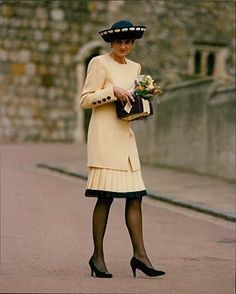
122	47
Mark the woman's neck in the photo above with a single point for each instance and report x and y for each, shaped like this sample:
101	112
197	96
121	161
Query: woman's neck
117	58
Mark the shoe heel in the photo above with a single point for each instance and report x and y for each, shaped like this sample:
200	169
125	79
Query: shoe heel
133	267
151	272
133	270
97	272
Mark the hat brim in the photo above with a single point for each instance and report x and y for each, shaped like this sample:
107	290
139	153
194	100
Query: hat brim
135	32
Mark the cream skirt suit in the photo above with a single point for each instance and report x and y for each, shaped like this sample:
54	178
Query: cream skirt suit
113	161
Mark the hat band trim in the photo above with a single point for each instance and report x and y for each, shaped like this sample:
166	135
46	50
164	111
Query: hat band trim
122	30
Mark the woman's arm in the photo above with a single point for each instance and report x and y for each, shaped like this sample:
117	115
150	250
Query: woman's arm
93	93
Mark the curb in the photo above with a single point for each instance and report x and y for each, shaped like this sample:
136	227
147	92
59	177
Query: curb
154	195
192	205
62	170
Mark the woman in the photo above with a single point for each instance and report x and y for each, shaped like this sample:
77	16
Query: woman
114	167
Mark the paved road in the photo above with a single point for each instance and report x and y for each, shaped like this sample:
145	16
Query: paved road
46	236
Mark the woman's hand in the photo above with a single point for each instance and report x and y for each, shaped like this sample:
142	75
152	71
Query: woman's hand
123	95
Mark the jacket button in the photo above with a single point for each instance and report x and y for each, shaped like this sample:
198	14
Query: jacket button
104	99
108	97
99	101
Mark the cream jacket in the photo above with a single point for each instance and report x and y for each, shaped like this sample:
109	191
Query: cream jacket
111	142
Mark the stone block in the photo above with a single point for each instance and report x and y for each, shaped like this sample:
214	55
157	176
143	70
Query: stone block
42	69
6	98
28	123
5	122
56	58
38	35
61	123
41	91
56	36
73	49
30	69
8	132
54	114
41	13
17	122
13	56
52	93
43	46
75	37
59	92
3	55
25	111
57	14
24	80
34	23
91	6
55	136
67	59
44	134
2	110
42	24
4	21
36	56
62	26
54	70
25	23
6	44
7	10
24	55
18	69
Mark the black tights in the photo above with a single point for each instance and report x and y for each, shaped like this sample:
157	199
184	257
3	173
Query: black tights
133	218
100	216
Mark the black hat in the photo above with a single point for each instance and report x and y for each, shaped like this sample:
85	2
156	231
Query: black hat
121	30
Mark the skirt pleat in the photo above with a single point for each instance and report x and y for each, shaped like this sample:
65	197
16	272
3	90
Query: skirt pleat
104	182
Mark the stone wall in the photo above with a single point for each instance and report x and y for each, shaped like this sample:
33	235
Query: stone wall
39	40
221	133
172	29
38	43
193	129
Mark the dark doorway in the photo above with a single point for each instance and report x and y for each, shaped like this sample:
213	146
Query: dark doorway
197	62
210	64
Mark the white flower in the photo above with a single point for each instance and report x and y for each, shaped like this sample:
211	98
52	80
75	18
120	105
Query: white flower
150	87
149	79
142	78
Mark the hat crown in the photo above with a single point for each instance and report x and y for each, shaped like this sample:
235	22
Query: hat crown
122	29
122	24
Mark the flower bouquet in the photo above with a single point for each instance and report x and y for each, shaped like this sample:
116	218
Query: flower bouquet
145	90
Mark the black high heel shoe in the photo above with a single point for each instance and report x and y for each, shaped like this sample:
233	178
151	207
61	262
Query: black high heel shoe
98	273
137	264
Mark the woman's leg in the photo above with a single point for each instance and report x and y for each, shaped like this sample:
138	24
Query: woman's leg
100	216
133	218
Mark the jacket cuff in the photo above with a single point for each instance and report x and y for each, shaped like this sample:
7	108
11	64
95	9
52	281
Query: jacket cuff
104	96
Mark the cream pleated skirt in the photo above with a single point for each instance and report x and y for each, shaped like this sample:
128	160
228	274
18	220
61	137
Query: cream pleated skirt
110	183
